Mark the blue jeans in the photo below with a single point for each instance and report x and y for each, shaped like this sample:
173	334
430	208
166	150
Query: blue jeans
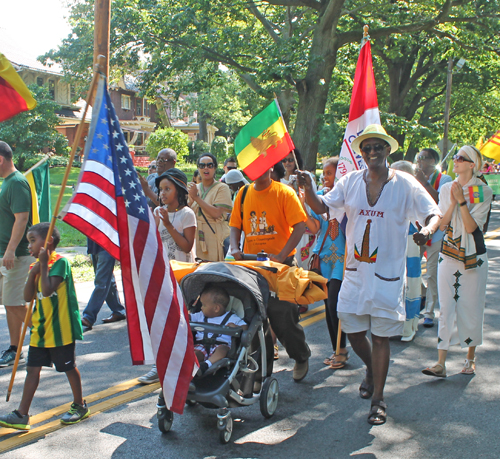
104	287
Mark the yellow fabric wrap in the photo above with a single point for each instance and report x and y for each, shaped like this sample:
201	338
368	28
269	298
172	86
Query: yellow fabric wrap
292	284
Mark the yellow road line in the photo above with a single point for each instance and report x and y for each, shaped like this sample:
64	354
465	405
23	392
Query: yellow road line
38	432
58	410
493	234
312	320
311	312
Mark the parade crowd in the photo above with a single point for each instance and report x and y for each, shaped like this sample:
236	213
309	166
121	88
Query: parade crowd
366	233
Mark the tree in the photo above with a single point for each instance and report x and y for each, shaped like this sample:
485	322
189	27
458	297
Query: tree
219	149
287	47
167	138
33	131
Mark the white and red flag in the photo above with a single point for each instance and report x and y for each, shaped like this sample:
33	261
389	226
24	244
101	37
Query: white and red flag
362	113
110	208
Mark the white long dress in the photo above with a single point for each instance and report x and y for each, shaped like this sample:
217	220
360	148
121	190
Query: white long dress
462	273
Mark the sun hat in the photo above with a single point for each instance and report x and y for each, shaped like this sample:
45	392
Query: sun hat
235	176
174	175
374	131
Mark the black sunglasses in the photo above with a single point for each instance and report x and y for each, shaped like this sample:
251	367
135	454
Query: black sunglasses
231	168
203	165
377	148
423	157
461	159
288	160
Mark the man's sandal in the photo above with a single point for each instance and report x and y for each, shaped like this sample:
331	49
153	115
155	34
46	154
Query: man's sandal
339	361
365	389
437	370
378	413
469	367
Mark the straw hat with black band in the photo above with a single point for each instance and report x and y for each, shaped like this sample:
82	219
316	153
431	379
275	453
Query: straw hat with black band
174	175
374	131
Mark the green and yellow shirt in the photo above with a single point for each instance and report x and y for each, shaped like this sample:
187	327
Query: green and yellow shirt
56	319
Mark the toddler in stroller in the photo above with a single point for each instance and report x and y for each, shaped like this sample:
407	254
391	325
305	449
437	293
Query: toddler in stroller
214	301
237	375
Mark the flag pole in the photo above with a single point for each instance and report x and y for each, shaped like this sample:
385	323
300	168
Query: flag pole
78	136
39	163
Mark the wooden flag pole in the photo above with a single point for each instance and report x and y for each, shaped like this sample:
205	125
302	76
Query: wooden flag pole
39	163
79	132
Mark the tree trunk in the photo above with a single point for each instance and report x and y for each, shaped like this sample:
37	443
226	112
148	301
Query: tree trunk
202	123
313	89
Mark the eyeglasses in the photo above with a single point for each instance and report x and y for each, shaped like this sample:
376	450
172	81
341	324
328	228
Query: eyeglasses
203	165
377	148
151	167
423	157
288	160
231	168
461	159
163	161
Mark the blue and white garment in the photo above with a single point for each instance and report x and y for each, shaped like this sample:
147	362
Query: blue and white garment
413	277
332	255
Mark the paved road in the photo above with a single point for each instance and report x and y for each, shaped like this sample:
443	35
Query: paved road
321	417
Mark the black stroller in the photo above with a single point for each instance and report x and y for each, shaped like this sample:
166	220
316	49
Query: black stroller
241	378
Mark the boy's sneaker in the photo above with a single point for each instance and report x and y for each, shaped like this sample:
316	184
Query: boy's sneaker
8	358
76	413
15	420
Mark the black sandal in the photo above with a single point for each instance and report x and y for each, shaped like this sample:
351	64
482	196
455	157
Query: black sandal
378	413
365	389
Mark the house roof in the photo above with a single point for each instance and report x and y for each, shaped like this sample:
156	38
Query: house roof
19	59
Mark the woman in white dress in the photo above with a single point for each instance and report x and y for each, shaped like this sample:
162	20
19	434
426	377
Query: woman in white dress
463	263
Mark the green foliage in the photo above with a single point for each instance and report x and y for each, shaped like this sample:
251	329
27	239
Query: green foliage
167	138
219	148
196	148
305	52
142	170
30	132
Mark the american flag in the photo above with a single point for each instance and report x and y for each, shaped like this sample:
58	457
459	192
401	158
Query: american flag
110	208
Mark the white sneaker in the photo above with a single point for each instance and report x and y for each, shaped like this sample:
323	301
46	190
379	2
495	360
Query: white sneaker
150	377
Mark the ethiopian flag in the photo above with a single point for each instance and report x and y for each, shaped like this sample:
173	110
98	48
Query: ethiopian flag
476	194
39	181
15	97
262	142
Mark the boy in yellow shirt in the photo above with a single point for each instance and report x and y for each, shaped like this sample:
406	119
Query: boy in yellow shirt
55	327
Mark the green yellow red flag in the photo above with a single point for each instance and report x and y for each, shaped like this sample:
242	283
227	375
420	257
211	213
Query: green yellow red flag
39	181
15	97
491	148
262	142
476	194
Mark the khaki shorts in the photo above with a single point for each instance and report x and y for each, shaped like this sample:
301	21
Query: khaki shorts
379	326
12	281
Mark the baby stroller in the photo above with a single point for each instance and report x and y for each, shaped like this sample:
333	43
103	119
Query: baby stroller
241	378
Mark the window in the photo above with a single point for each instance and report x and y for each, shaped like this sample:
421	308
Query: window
125	102
39	81
138	107
72	92
52	89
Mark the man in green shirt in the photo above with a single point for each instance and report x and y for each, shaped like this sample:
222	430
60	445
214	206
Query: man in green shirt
15	259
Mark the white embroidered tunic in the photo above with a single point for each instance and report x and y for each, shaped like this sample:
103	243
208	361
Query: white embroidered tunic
376	238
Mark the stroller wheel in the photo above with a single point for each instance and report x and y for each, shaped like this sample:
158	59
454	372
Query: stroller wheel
165	419
191	403
269	397
225	434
